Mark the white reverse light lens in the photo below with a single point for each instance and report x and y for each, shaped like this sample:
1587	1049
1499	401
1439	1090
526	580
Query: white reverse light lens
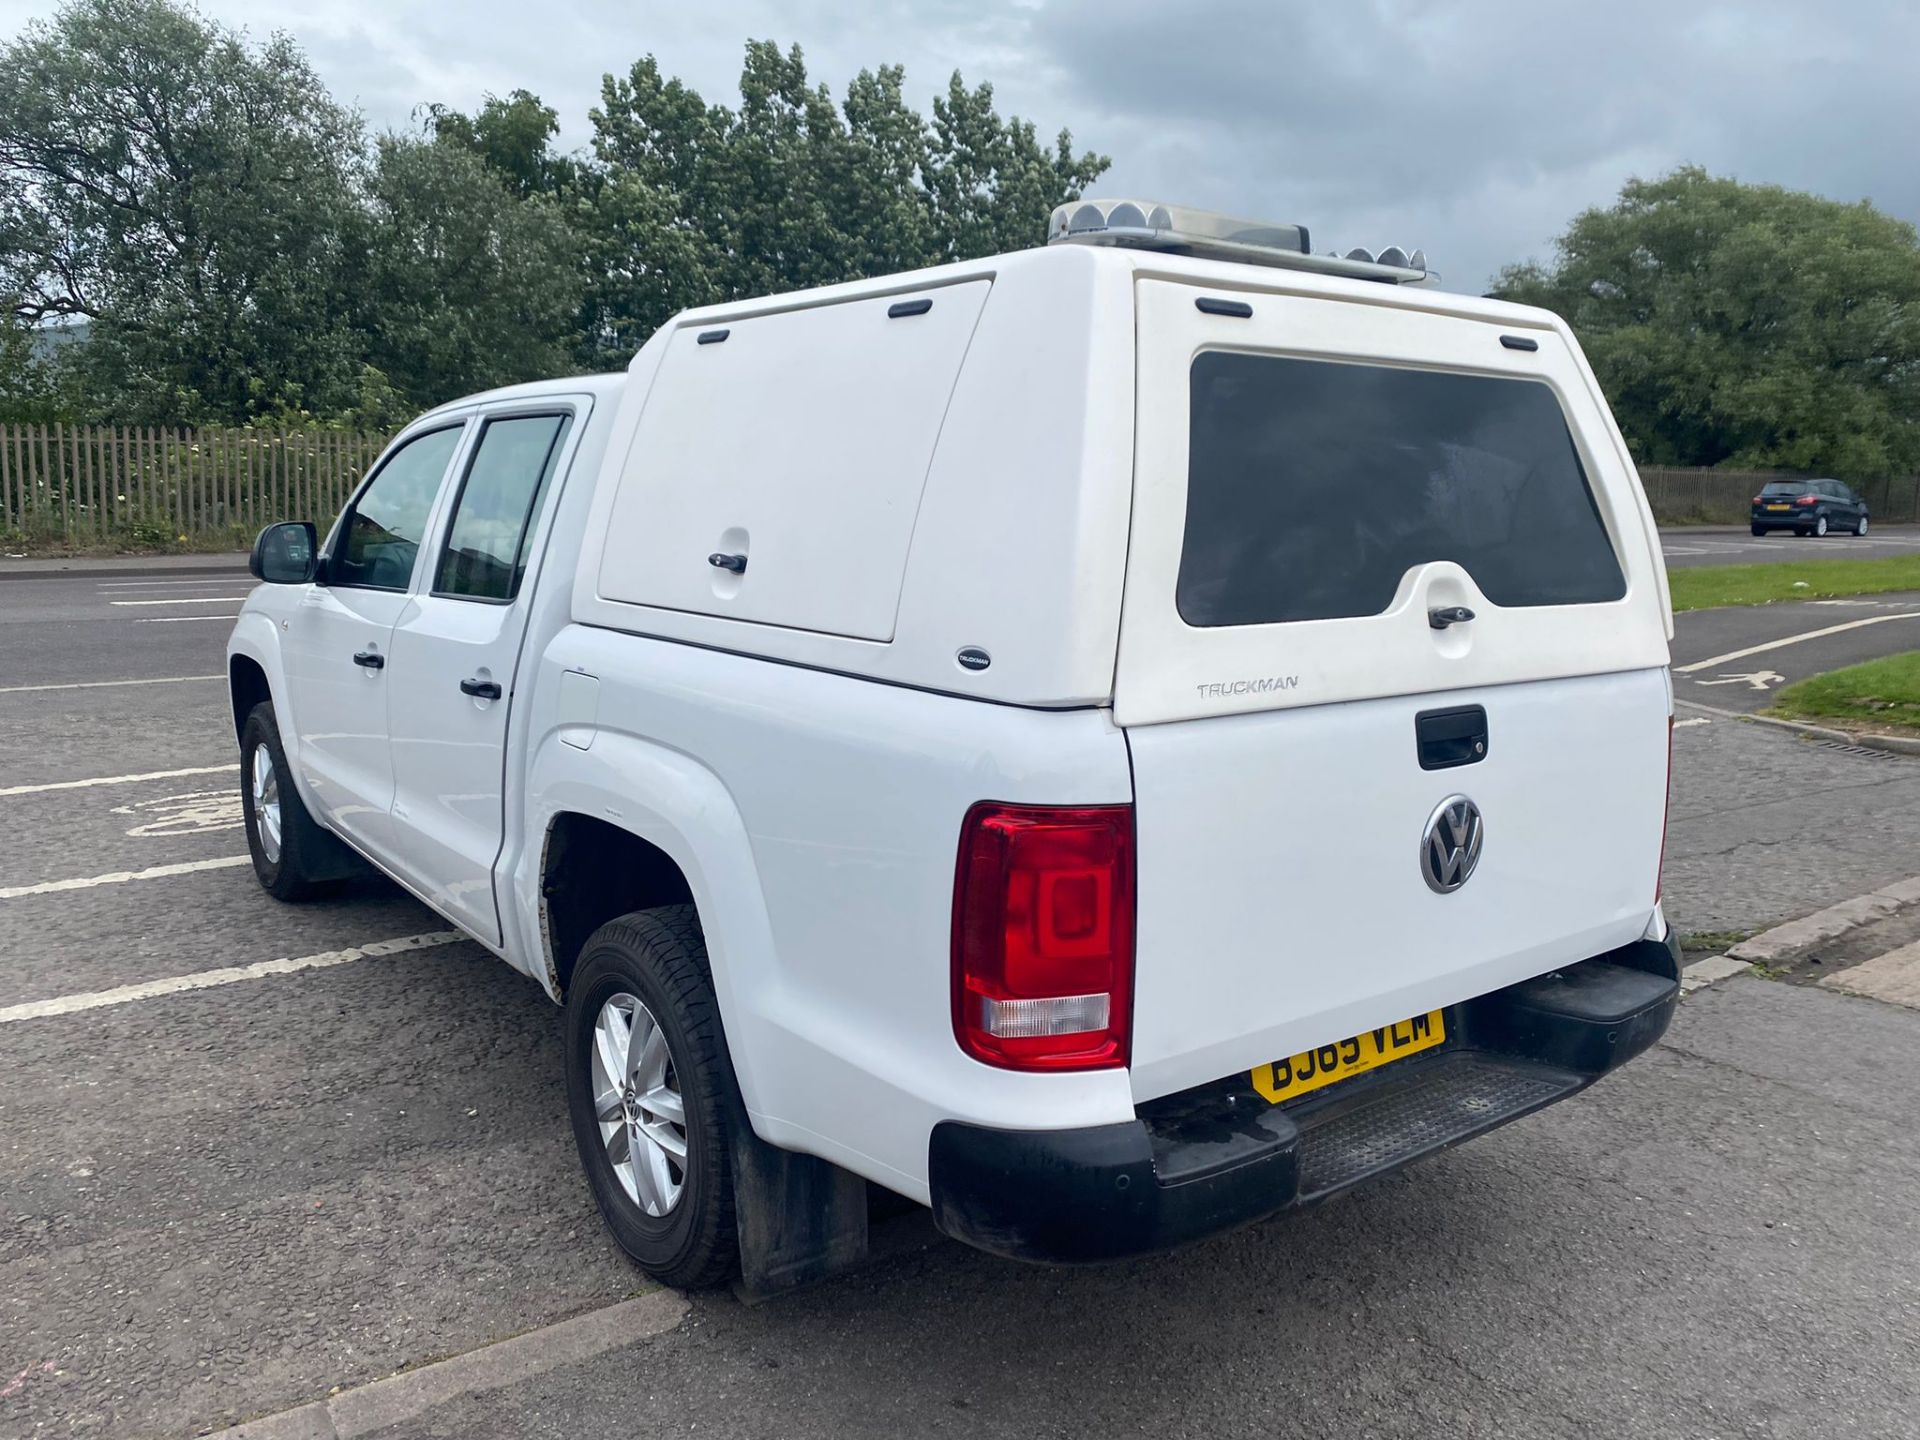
1055	1015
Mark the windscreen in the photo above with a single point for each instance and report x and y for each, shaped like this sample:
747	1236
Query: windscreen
1313	486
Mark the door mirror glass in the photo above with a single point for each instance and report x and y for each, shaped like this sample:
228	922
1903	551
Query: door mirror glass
284	553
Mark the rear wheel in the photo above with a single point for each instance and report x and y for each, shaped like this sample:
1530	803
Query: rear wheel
1820	525
293	858
1759	531
650	1089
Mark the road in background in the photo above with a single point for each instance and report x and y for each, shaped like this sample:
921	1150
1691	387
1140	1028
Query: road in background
1737	545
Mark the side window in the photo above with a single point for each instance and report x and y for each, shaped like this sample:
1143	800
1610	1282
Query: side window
382	533
485	556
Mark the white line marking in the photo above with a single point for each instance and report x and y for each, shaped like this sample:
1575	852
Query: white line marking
182	619
103	684
120	877
1696	720
196	600
1791	640
117	779
223	577
229	975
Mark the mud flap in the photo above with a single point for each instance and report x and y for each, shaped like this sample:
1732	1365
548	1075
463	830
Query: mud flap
800	1218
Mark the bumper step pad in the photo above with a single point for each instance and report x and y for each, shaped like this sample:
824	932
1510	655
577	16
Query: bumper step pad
1452	1098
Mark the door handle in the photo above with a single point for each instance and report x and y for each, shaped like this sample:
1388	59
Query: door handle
372	659
1441	616
480	689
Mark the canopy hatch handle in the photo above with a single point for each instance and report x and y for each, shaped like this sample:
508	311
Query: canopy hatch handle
1441	616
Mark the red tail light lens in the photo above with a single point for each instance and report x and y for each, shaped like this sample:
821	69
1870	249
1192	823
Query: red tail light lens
1756	499
1043	936
1807	500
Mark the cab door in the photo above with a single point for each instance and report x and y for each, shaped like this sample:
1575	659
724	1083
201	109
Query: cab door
335	645
455	657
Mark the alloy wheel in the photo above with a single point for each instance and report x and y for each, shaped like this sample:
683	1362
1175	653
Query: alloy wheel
637	1101
265	780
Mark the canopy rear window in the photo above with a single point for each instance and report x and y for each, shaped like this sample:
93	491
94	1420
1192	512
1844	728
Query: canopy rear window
1313	486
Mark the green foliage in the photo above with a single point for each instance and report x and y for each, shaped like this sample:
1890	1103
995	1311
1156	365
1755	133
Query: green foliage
1877	694
700	203
242	253
467	285
1745	324
183	191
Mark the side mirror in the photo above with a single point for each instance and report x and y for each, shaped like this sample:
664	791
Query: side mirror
285	554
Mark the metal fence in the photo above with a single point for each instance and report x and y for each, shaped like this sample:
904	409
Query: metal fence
144	487
79	485
1723	496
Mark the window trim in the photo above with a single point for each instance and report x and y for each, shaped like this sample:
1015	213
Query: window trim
342	525
568	415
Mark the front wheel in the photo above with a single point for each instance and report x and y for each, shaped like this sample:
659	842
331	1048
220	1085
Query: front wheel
293	858
1860	526
1820	525
650	1088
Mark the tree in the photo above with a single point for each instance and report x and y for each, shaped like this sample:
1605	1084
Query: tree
467	284
515	137
186	193
1745	324
698	203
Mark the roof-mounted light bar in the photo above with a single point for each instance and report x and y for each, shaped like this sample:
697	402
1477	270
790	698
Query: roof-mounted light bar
1176	229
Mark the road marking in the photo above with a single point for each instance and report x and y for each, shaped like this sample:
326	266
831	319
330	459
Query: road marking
224	578
104	684
229	975
1755	680
196	600
1696	720
382	1404
121	877
194	813
181	619
1791	640
120	779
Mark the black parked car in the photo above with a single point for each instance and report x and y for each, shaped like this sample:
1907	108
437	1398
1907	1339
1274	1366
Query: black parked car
1808	507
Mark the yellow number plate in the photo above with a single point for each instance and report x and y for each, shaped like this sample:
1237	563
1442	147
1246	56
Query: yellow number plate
1314	1069
1779	507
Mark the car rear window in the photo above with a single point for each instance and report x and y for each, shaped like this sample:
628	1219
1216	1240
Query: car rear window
1785	487
1314	486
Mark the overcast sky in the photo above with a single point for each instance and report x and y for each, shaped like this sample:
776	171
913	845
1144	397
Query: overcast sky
1472	128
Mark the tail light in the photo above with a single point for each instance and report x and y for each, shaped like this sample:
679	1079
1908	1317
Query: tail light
1043	936
1756	499
1808	500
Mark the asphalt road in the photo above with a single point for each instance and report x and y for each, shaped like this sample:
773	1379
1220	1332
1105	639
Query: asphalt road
220	1203
1736	545
1737	657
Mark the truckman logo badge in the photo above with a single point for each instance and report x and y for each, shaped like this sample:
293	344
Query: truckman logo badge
1451	847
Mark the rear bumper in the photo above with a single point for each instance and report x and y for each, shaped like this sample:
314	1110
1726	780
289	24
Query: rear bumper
1219	1157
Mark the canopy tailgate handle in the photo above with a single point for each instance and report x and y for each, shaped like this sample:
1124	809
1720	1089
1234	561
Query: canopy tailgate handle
1456	736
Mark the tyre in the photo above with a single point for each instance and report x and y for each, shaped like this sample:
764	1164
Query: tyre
651	1093
1860	526
293	857
1759	532
1820	525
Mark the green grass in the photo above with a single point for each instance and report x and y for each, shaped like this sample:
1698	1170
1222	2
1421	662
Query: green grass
1883	694
1710	585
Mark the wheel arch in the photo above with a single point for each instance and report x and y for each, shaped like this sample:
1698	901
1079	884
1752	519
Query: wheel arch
629	825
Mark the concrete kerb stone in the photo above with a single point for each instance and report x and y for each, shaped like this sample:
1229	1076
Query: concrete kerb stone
1796	937
1892	744
382	1404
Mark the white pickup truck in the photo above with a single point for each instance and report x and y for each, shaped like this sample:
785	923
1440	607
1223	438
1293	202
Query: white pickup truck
1109	742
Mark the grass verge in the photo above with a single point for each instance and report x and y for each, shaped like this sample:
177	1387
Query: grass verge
1882	695
1710	585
